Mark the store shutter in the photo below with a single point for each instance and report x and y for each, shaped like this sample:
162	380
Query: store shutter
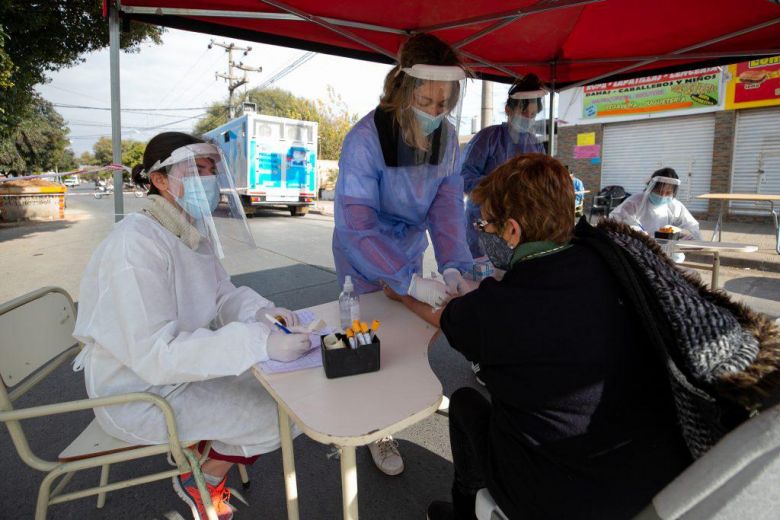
634	150
756	165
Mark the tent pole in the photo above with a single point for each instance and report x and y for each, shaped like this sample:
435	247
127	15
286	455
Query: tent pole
551	122
116	124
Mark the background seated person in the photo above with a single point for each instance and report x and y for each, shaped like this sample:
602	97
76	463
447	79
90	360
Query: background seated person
657	207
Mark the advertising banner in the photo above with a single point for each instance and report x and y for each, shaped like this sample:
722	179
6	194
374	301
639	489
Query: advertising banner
677	91
754	83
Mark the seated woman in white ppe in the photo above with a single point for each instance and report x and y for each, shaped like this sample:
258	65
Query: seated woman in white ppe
657	207
158	313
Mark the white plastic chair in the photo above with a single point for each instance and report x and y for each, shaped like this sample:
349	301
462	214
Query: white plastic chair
35	338
738	478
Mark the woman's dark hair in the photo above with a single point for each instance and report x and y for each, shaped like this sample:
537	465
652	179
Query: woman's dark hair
665	172
527	83
159	148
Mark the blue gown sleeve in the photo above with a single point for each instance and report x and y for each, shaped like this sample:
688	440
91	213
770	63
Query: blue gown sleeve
475	158
376	256
447	226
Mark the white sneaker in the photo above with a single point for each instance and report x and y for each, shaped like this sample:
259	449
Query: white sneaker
386	456
475	368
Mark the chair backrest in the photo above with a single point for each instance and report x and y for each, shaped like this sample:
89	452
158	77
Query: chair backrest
34	329
740	475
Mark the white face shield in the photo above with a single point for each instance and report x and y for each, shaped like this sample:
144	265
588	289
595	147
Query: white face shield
200	182
661	190
430	120
528	115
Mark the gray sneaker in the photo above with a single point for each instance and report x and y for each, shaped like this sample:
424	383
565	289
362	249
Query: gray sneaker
386	456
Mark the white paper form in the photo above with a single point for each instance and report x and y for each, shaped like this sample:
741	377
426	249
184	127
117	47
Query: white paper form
309	360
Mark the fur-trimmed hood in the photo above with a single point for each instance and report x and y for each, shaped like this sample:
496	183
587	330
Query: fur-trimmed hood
723	359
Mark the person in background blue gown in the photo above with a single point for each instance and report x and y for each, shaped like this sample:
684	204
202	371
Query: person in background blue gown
397	180
494	145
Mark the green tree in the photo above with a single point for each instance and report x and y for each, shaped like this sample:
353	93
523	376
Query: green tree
87	158
332	115
39	142
132	152
42	37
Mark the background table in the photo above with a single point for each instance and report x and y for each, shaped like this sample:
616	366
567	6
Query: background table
746	197
715	248
357	410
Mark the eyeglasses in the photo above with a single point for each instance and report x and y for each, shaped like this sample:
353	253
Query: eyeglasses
481	224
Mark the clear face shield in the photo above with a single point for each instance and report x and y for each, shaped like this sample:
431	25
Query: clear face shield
528	114
431	118
661	191
200	182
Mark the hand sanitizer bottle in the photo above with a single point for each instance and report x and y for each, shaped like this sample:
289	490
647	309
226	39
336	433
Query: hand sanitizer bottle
349	304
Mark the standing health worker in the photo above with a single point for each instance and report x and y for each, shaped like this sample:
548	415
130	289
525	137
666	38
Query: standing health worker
494	145
397	181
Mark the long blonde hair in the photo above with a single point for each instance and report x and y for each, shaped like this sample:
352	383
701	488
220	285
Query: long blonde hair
398	91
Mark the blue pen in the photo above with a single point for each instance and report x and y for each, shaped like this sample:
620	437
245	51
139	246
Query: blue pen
276	322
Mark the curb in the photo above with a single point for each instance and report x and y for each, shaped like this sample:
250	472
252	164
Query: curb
733	261
319	211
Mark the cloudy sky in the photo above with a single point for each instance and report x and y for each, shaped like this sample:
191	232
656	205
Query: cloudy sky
180	74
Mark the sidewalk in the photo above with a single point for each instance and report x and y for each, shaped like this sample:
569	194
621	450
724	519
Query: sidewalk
762	235
323	207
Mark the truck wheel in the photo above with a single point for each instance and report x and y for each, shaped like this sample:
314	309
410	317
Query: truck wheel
298	211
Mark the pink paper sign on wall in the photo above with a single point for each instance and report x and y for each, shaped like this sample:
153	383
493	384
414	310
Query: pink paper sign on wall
587	152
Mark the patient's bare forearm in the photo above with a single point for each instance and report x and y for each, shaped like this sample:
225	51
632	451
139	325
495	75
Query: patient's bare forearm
423	310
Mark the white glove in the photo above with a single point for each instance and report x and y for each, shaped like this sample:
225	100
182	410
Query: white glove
290	319
287	347
454	281
432	292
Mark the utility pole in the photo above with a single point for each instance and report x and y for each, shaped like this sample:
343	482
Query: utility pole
234	81
487	103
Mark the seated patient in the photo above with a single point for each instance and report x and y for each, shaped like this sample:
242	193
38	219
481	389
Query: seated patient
159	314
582	423
657	207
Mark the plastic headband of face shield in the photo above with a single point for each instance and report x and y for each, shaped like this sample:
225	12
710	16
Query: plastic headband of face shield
435	72
191	151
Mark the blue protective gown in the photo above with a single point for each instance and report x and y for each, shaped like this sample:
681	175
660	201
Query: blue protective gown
382	213
488	149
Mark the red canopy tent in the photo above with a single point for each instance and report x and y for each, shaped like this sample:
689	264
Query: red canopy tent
567	43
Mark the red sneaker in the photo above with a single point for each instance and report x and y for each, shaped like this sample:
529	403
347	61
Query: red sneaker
185	487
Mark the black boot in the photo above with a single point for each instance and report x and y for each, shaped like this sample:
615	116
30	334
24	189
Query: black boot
440	510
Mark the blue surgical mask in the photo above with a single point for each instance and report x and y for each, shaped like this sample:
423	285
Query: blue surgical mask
428	123
522	124
496	249
199	193
657	200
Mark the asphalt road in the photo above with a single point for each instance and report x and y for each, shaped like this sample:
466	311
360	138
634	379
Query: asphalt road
293	266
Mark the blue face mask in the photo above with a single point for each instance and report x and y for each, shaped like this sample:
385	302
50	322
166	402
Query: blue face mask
657	200
522	124
199	193
428	123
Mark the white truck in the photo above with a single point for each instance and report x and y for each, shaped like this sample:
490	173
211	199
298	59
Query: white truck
273	161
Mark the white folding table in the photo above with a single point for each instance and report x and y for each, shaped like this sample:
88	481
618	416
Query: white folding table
715	248
744	197
357	410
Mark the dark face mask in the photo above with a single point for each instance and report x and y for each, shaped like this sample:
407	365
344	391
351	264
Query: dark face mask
496	249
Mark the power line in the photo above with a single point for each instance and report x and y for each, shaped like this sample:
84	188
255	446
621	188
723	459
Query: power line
137	110
289	68
181	78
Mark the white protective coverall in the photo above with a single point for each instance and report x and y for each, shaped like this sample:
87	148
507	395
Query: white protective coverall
638	212
157	316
